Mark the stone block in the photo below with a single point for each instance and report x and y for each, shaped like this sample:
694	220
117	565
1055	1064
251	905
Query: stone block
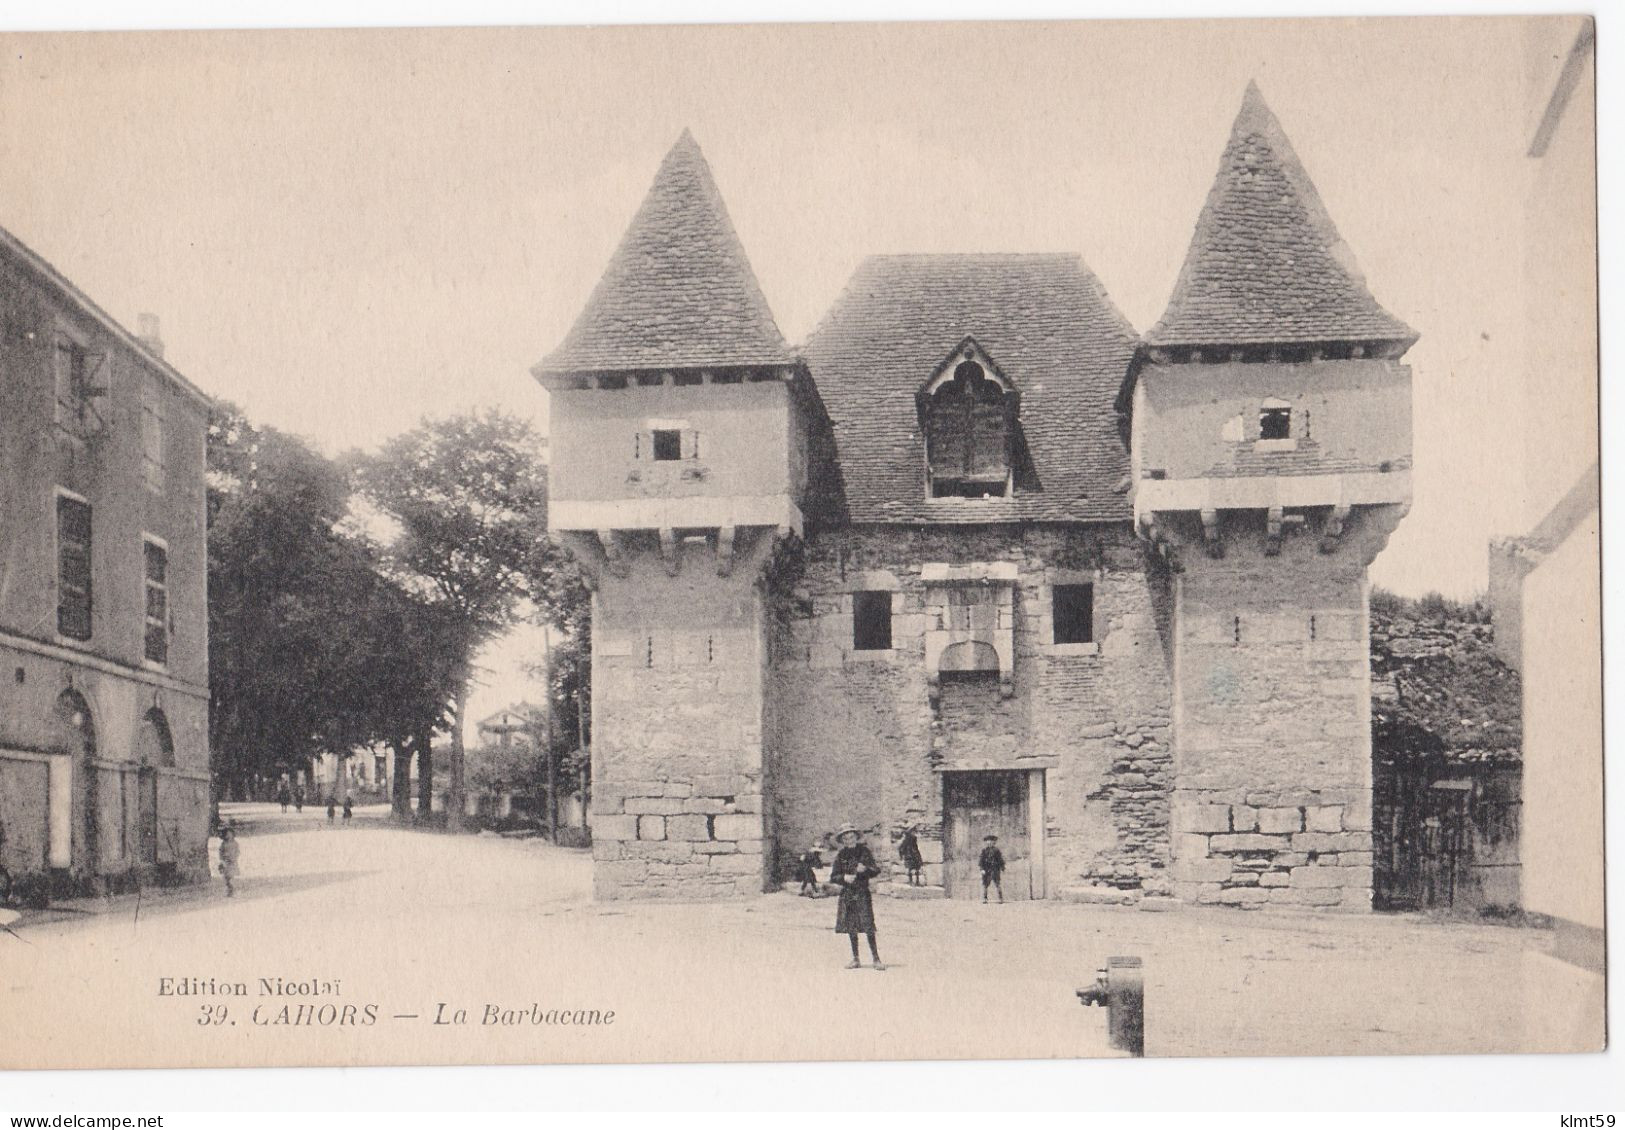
1201	870
931	851
730	826
654	805
1278	820
606	805
678	789
1324	818
1207	818
704	804
1187	846
1242	896
1249	841
716	784
1356	859
1275	879
1243	818
1318	876
748	802
736	864
715	847
651	827
1357	812
615	828
643	788
689	826
1332	841
1095	896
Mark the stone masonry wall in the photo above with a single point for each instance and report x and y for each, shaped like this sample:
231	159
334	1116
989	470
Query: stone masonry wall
677	707
857	737
1273	716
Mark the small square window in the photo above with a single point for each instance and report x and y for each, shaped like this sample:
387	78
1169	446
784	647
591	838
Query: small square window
1073	613
668	444
871	621
1275	423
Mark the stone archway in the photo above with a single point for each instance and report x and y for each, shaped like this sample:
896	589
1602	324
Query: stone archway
155	750
73	731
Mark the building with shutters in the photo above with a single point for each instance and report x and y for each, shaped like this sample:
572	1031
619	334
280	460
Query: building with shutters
104	762
979	557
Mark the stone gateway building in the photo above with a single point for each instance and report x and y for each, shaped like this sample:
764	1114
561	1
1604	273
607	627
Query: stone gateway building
979	557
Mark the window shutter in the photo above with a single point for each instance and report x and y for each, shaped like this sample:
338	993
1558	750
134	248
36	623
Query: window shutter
637	445
691	444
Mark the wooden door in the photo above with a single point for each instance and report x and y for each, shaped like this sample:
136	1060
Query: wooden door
979	804
147	814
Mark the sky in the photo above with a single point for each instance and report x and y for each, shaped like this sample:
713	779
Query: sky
344	231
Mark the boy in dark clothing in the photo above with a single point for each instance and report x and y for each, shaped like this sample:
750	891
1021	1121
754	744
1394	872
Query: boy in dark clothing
332	808
349	808
807	870
992	863
908	850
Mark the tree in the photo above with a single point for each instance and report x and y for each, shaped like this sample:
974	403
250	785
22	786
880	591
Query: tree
283	681
469	496
307	632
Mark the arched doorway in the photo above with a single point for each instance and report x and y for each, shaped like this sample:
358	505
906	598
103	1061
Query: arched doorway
156	750
73	731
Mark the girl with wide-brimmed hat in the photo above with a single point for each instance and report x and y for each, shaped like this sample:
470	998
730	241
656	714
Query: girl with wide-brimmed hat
855	913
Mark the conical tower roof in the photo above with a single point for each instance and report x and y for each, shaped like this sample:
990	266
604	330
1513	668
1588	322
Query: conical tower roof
1266	265
678	292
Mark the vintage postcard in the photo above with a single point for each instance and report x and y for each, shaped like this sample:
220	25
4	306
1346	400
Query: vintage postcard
804	542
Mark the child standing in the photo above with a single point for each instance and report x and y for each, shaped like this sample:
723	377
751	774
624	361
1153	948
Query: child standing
349	807
229	853
807	870
332	808
992	863
855	914
908	850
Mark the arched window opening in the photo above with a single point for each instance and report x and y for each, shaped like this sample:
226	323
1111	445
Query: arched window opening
73	730
968	430
157	746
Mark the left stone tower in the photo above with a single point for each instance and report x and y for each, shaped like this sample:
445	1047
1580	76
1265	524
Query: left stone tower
679	463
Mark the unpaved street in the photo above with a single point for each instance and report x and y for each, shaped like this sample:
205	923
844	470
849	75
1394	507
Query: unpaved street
416	926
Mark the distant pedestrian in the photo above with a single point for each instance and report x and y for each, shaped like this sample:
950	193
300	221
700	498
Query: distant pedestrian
229	853
349	808
855	914
283	797
908	850
992	864
807	870
332	808
299	798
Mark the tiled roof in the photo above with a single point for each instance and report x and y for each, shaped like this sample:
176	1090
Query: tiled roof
678	292
1266	264
1044	320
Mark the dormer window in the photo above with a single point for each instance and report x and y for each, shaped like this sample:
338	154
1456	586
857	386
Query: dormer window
968	419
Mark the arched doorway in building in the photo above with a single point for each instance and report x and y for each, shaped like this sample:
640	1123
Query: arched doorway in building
73	731
156	750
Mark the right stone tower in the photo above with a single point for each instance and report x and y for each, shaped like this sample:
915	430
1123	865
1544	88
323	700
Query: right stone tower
1270	424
